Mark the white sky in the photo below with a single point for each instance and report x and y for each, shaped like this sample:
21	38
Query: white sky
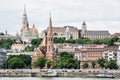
98	14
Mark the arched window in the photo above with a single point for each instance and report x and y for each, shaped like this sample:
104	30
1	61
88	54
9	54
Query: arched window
55	34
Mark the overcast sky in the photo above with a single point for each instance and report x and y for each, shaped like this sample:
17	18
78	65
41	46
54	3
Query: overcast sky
98	14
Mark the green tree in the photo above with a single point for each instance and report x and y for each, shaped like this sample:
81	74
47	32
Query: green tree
83	41
2	33
29	48
36	42
79	41
71	41
67	61
97	41
85	65
115	39
73	64
25	58
70	66
118	40
16	63
101	62
110	41
49	63
105	41
40	62
93	64
6	43
59	40
62	62
111	64
66	55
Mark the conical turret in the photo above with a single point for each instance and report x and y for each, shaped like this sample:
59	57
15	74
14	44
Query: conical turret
25	21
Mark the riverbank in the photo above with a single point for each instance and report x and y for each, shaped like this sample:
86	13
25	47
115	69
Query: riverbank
59	72
53	78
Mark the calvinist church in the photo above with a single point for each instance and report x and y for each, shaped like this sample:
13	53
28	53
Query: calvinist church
46	47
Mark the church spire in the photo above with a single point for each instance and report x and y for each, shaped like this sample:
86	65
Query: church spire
24	10
50	26
50	22
25	21
50	52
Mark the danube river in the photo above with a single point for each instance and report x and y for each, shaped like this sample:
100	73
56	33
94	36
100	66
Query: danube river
58	78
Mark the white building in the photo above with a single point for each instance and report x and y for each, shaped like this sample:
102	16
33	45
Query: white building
93	34
63	32
21	53
112	53
17	47
27	33
118	57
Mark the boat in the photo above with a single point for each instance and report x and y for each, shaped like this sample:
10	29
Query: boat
50	74
105	75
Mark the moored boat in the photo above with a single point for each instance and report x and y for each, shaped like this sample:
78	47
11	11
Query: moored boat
105	75
50	74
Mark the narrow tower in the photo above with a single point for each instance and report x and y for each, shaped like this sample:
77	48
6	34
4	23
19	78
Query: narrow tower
50	48
25	21
67	33
84	27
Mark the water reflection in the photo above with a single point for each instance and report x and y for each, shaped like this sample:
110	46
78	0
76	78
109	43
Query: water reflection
49	78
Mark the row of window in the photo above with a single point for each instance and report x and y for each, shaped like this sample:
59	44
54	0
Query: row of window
95	36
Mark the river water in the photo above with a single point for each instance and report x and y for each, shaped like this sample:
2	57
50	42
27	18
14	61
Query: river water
58	78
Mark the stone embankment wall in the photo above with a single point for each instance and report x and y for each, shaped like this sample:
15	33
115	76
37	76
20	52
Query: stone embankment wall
60	72
18	72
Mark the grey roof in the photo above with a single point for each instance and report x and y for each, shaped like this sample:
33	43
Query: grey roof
95	32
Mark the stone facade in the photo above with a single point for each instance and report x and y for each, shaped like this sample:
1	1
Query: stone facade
66	47
93	34
89	53
27	33
67	32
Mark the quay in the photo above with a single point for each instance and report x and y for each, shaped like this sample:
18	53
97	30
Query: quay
60	72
